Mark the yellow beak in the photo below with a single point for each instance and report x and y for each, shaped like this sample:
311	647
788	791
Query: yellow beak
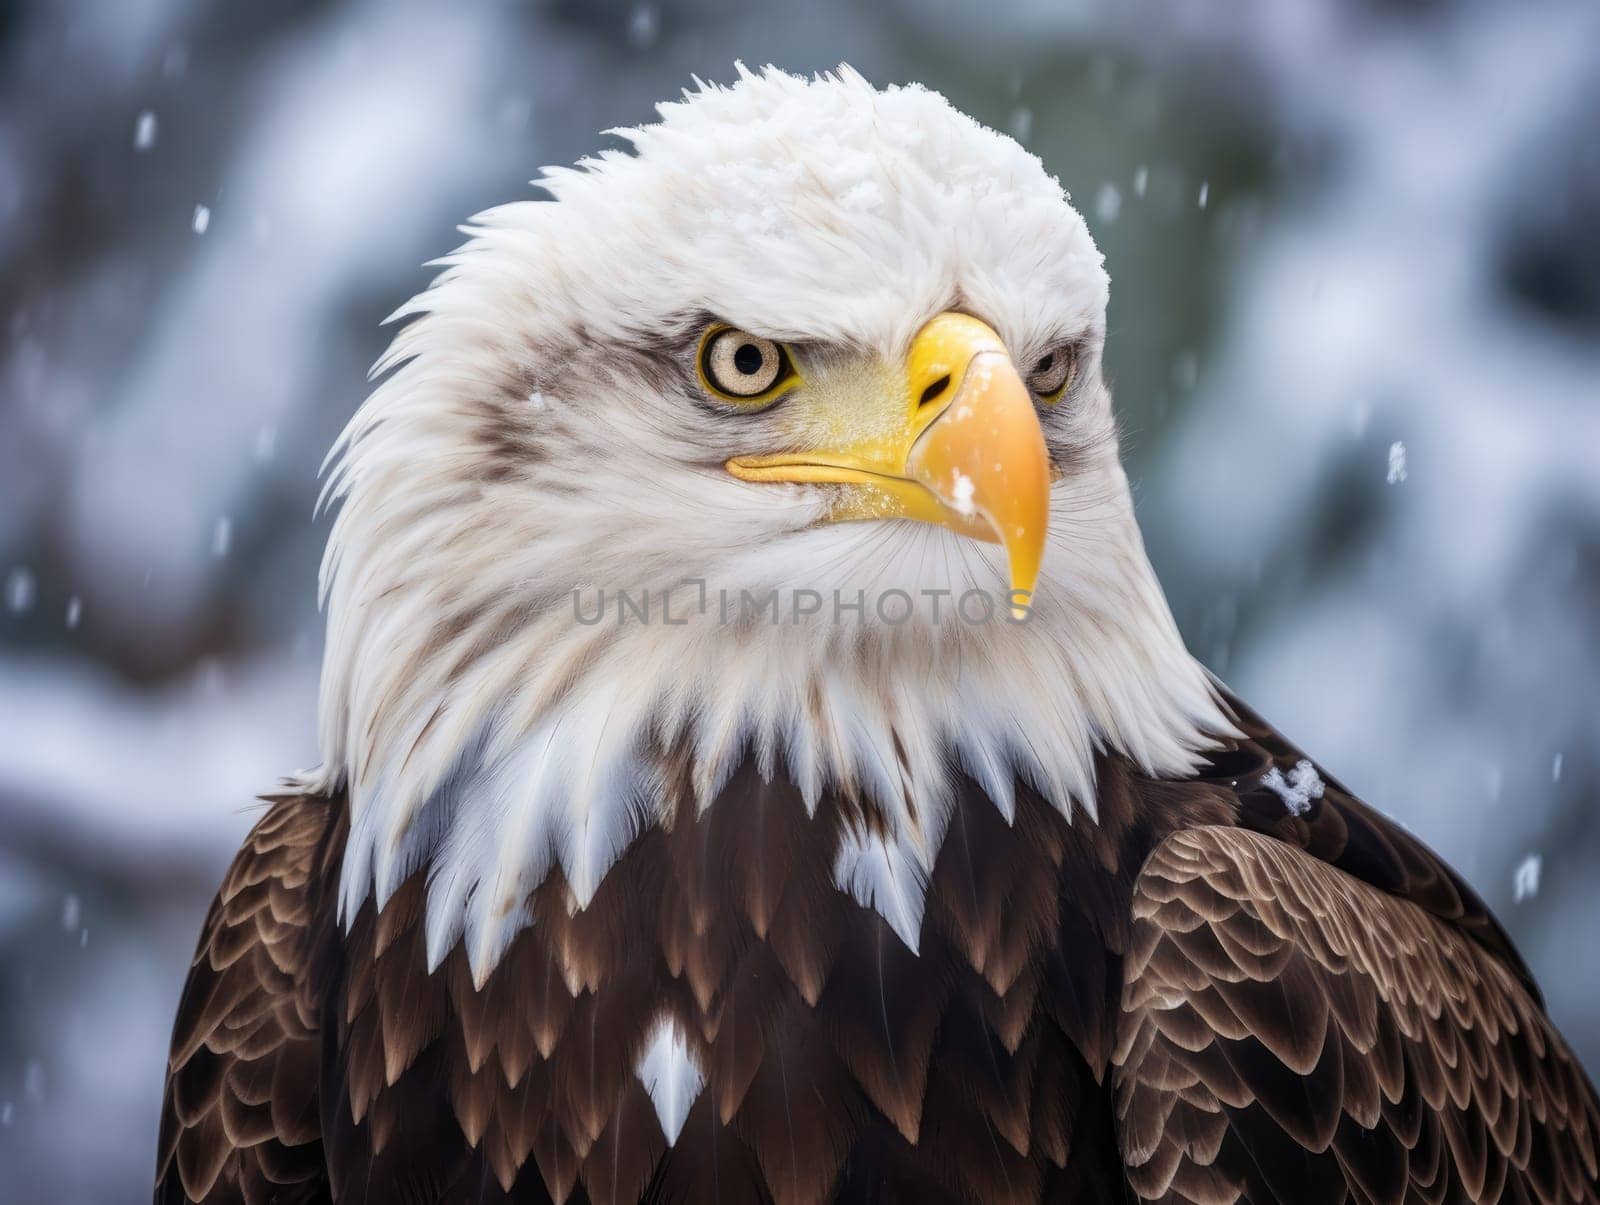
963	450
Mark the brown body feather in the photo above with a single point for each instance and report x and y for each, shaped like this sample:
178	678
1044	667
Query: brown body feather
1200	997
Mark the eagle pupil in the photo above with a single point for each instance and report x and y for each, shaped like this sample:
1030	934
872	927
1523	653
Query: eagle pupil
1044	364
748	359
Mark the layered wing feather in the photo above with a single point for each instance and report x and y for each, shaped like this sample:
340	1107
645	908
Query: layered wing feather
1291	1033
240	1118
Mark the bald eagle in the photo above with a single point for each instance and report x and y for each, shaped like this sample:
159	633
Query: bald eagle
760	765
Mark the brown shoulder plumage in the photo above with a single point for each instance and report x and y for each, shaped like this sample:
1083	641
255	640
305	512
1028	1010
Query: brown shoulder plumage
240	1119
1337	828
1293	1034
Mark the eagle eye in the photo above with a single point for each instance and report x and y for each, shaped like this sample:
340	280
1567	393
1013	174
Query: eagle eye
1053	373
737	366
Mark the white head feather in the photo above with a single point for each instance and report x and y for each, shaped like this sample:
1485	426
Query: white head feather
536	435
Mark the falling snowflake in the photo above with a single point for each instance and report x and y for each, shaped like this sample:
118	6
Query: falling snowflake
643	25
222	537
1141	180
19	590
1108	202
144	131
1397	462
1525	882
202	218
33	1081
1205	193
1555	767
1297	790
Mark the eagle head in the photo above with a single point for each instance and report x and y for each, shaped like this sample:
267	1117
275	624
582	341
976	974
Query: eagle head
781	437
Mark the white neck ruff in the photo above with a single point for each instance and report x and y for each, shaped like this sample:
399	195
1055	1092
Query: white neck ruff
497	744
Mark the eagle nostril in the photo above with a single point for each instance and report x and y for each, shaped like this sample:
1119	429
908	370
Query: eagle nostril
932	392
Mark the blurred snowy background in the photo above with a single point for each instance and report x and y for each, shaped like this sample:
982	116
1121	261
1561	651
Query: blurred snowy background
1355	247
